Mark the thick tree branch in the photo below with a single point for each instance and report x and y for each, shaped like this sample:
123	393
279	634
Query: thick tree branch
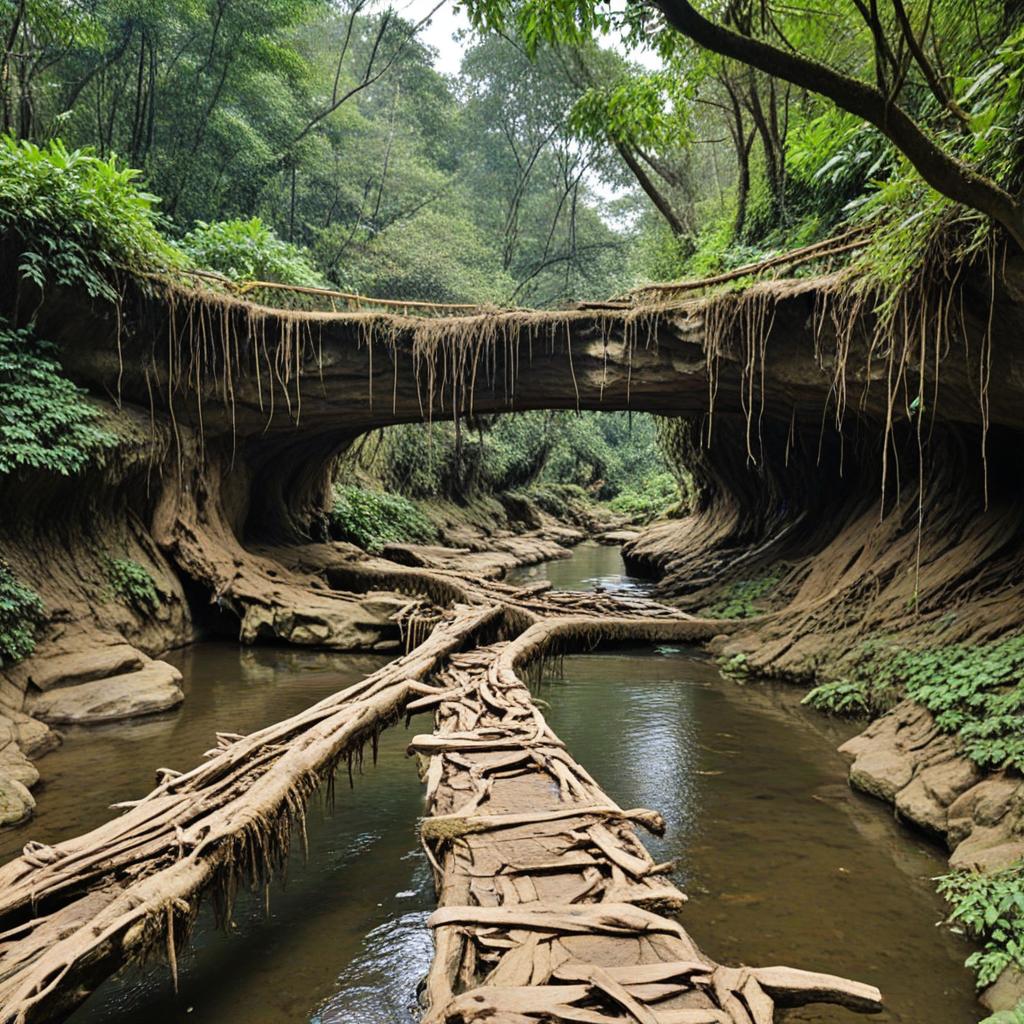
662	204
944	172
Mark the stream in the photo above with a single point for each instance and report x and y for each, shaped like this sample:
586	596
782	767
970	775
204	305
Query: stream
783	863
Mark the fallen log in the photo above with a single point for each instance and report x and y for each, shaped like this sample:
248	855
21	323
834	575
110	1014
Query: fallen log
229	820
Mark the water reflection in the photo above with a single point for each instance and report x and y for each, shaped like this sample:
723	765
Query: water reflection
592	566
345	923
781	860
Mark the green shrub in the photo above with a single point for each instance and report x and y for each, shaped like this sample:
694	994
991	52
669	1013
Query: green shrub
21	609
1014	1016
560	500
840	697
649	499
990	909
248	250
45	421
975	692
739	599
372	519
132	583
77	217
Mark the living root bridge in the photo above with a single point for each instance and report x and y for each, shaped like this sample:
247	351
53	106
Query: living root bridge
550	906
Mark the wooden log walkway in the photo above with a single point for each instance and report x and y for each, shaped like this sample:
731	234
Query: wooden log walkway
550	907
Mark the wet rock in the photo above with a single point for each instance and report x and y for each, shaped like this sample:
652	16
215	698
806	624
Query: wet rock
926	798
325	621
989	801
1006	992
904	760
915	804
617	537
151	689
16	802
882	772
13	762
989	848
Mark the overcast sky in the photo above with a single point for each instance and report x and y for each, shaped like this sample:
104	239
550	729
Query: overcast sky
440	32
444	25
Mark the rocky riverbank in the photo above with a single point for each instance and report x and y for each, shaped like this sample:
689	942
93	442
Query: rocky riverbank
903	759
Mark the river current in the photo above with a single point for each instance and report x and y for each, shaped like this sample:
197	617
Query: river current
782	862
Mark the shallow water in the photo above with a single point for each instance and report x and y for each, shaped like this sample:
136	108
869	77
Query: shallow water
782	862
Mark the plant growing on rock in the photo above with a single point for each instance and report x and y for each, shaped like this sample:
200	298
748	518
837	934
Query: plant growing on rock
132	583
975	691
21	609
989	908
740	599
45	420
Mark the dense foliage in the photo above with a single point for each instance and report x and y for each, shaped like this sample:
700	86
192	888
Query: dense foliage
989	908
974	691
373	519
21	608
77	217
364	166
612	457
248	250
46	422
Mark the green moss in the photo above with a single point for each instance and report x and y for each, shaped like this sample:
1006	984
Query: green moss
21	609
740	599
990	909
976	692
372	519
132	583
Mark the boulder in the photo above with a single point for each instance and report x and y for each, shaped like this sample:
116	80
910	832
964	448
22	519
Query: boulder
85	666
989	848
988	802
1006	993
151	689
16	802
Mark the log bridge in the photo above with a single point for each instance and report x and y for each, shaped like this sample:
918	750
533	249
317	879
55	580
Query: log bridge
550	907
